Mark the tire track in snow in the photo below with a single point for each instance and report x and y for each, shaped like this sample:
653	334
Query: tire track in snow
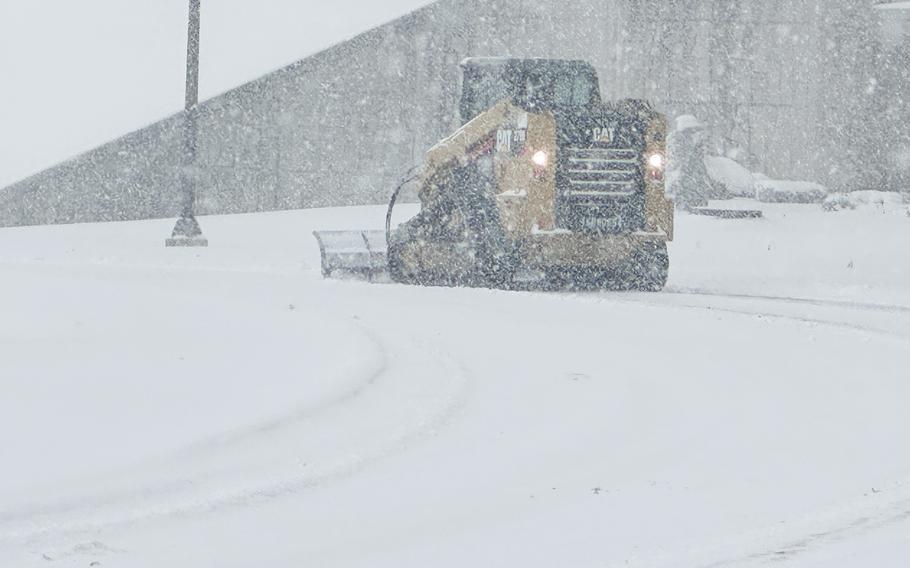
774	545
868	306
814	532
896	313
208	492
199	451
857	527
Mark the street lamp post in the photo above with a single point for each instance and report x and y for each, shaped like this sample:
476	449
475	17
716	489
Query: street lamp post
187	232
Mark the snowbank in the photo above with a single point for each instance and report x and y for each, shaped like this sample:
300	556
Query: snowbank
687	121
777	191
882	200
737	180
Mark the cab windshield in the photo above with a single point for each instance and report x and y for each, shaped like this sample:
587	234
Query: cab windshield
560	89
545	86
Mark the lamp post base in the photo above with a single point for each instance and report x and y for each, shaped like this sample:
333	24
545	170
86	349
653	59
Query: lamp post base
187	234
187	242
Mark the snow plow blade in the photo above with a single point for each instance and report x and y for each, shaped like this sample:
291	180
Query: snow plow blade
353	253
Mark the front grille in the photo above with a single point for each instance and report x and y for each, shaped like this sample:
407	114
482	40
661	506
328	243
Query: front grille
601	190
602	172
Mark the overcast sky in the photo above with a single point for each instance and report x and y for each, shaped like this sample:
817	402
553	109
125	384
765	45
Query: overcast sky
77	73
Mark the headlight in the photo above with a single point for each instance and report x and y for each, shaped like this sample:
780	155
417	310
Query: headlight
541	159
656	161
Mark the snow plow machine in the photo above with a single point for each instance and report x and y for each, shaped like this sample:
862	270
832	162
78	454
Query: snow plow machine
544	185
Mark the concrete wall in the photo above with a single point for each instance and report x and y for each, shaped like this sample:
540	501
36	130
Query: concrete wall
338	128
343	126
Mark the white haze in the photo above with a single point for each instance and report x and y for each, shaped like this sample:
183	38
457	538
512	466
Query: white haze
74	75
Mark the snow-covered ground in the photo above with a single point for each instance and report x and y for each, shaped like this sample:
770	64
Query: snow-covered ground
228	407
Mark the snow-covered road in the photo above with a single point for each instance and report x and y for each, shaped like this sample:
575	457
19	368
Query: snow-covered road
228	407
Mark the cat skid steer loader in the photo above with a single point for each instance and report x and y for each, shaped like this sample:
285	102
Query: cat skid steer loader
543	183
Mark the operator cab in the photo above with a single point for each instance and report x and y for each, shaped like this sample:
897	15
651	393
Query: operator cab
534	84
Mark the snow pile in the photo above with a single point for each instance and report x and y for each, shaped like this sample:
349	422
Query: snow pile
688	179
881	200
686	122
777	191
737	180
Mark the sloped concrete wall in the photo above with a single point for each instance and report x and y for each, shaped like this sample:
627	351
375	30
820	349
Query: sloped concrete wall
338	128
342	127
131	178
